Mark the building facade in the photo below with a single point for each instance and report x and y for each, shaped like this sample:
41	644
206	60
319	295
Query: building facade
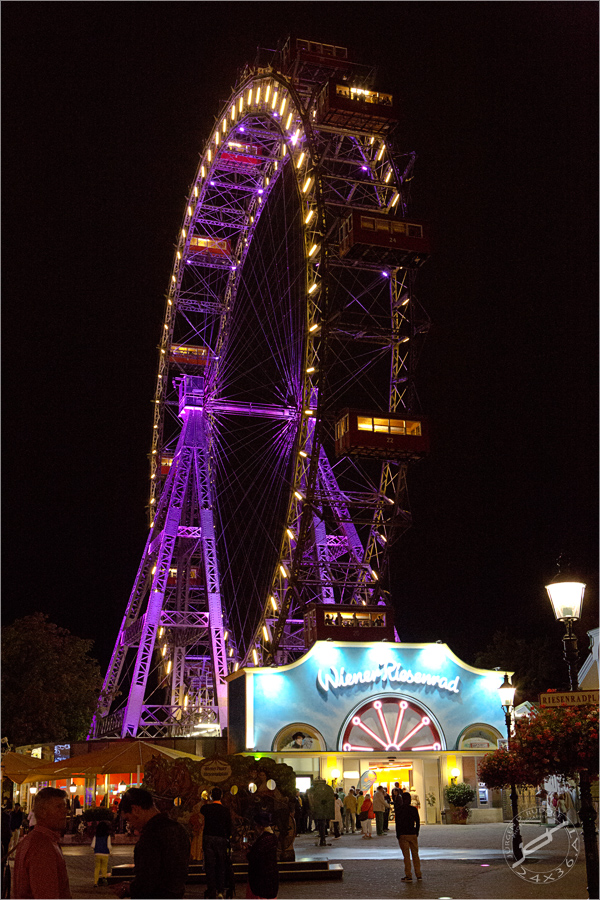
364	713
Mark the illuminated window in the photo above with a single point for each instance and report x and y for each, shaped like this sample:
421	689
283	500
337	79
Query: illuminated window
364	424
367	223
382	225
398	228
382	425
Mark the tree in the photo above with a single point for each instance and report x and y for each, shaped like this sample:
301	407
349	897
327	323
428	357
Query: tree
49	682
558	740
535	661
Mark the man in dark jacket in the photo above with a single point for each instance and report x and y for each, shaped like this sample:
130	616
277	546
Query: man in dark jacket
408	825
215	843
162	853
263	872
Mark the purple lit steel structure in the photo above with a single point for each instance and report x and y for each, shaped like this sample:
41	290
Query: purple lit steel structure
268	332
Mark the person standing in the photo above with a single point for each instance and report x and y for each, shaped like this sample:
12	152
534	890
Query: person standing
366	815
336	823
16	821
101	847
162	853
215	843
263	872
386	815
380	805
40	868
359	802
350	811
408	825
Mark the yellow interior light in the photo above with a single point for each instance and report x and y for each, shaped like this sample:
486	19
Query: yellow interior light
274	603
257	100
403	340
161	631
307	184
388	176
202	172
310	370
265	633
185	701
303	454
183	233
311	213
300	160
163	649
169	665
290	534
395	200
374	575
314	326
195	190
224	126
190	211
283	106
255	656
267	93
173	279
283	571
283	149
217	138
381	152
298	495
241	103
313	287
274	101
313	249
232	113
226	635
178	257
289	121
308	412
209	154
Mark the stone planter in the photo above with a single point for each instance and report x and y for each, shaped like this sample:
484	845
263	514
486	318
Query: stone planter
431	816
456	815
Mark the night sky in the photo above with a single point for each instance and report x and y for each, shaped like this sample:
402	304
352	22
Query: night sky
106	108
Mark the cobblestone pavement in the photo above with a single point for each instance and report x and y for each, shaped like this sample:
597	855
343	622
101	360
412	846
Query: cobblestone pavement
459	863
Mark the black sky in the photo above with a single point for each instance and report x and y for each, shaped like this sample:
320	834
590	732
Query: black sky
106	108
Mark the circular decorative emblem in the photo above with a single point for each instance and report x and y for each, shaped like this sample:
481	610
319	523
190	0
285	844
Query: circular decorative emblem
549	848
391	724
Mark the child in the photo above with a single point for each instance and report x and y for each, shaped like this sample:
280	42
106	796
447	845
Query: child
101	846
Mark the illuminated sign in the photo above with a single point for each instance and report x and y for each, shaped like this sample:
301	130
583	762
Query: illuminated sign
388	671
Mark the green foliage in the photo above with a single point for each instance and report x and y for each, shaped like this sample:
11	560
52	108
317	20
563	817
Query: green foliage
537	664
460	794
50	684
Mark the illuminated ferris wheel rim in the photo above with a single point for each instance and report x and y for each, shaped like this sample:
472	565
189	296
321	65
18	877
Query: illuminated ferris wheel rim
267	98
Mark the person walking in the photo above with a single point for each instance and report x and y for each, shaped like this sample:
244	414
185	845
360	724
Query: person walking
40	868
380	805
216	843
162	853
366	815
263	872
350	811
101	847
408	825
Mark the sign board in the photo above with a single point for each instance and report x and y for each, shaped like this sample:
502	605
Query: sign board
569	698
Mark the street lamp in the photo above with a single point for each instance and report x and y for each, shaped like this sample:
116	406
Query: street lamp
566	595
507	699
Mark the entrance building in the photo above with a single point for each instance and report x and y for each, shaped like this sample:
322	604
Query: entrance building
367	712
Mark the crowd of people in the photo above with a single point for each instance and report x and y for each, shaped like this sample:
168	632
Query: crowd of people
162	851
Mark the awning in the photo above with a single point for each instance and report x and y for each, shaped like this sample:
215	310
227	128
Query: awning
17	766
121	756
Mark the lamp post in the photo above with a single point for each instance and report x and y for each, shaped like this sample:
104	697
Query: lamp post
566	595
507	697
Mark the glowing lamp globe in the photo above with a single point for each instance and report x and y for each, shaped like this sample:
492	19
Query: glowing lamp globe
566	596
507	693
73	788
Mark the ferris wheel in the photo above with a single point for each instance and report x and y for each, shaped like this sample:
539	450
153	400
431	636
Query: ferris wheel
285	414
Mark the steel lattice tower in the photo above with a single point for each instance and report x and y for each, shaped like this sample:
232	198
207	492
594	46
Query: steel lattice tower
273	324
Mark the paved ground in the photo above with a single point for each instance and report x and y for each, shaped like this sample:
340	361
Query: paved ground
459	862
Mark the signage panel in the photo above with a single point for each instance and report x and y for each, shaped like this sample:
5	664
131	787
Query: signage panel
569	698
